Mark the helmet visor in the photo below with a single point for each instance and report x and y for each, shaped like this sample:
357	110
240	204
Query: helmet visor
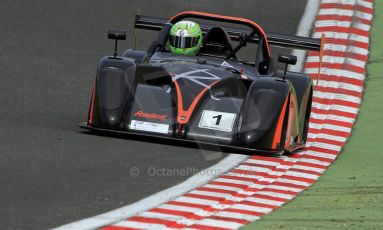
183	42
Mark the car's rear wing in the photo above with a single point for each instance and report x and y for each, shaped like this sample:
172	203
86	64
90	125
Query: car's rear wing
274	39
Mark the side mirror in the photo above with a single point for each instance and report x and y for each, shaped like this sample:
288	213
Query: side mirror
116	35
288	59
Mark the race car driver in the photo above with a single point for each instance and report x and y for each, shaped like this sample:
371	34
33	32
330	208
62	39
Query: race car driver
185	38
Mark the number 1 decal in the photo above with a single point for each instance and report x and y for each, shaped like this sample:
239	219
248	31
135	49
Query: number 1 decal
218	119
215	120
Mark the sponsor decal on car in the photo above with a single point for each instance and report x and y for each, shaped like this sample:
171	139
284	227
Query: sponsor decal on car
149	126
155	116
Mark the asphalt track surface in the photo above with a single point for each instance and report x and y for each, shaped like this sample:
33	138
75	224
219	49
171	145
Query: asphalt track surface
52	173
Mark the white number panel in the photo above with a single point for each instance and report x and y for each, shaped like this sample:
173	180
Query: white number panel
217	120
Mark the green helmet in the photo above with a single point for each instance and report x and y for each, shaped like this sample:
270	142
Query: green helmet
185	38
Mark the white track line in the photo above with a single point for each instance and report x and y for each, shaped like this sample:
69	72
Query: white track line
304	29
157	199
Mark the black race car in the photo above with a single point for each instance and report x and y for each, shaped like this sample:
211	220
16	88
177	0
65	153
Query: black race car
213	98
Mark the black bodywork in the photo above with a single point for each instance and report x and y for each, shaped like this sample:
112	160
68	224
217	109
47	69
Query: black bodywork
212	98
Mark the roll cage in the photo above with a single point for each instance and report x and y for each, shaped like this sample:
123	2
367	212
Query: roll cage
263	60
256	29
